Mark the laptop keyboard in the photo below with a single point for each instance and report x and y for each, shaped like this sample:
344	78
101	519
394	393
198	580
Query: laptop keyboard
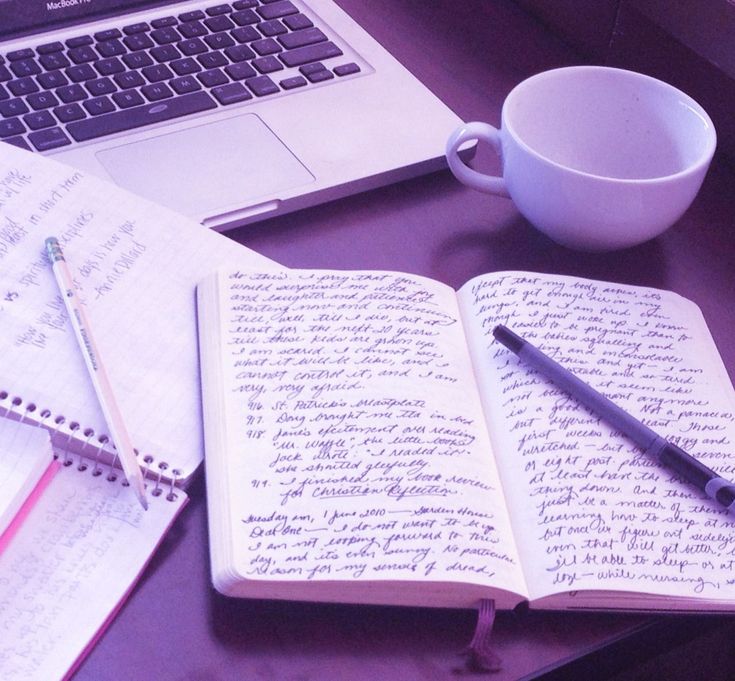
94	85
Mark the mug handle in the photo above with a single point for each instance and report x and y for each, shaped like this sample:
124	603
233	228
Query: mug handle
482	132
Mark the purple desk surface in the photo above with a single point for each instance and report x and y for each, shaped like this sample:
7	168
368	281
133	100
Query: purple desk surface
174	626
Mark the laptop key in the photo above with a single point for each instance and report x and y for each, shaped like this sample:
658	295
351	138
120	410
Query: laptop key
108	34
138	41
101	86
22	86
293	82
157	73
42	100
212	60
347	69
192	46
11	126
307	36
266	46
213	77
238	53
276	10
18	141
39	119
128	98
47	48
52	79
132	29
219	41
25	67
16	55
184	67
13	107
69	112
245	17
240	71
98	105
243	34
165	35
164	53
308	69
164	22
50	138
195	15
109	67
193	29
79	41
320	76
267	64
54	61
231	93
128	79
156	92
272	28
310	53
218	9
221	22
297	21
137	60
71	93
111	48
81	72
262	85
83	54
185	84
137	117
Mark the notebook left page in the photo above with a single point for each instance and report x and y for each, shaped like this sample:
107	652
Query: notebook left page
69	567
347	454
25	454
135	265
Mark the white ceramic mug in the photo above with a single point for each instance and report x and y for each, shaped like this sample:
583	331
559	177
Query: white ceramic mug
597	158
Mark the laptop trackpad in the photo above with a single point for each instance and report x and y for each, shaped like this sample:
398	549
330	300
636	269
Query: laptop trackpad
207	169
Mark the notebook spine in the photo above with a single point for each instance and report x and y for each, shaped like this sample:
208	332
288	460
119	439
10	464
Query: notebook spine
74	443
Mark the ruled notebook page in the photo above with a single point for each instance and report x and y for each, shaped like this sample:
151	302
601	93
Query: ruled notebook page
68	568
136	265
25	453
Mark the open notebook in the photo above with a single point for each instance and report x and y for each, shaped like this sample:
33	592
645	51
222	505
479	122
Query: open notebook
369	441
85	539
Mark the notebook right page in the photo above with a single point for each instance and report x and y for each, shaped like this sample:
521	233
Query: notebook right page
589	510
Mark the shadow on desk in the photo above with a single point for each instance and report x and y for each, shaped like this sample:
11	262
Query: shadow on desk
520	247
675	649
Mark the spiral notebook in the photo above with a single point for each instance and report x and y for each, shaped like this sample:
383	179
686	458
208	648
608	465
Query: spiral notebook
70	555
85	539
26	466
135	265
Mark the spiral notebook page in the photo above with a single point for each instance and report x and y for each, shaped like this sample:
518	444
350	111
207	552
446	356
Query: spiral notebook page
69	567
135	265
25	454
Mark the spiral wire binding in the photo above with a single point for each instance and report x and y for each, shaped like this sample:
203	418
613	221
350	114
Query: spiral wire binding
10	407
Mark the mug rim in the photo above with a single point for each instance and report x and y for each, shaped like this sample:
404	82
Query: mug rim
702	162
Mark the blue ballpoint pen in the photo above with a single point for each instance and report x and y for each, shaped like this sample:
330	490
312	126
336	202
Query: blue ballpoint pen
666	453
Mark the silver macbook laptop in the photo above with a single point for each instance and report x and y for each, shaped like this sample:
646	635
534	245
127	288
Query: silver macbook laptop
228	112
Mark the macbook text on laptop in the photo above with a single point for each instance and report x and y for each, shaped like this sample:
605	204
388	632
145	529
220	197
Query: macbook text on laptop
227	112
